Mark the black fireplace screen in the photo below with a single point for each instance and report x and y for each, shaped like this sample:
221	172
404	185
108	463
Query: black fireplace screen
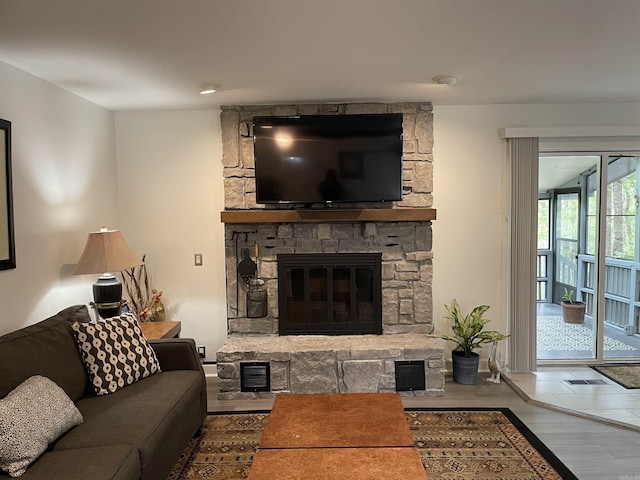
330	294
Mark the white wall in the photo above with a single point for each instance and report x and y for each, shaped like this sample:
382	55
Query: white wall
170	188
165	193
469	194
64	185
170	178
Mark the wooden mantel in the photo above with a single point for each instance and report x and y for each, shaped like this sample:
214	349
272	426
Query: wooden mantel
329	215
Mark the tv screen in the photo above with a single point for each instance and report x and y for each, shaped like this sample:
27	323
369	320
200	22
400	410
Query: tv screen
328	158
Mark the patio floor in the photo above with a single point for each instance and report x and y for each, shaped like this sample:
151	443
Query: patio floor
563	341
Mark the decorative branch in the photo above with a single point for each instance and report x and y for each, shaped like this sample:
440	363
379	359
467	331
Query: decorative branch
142	298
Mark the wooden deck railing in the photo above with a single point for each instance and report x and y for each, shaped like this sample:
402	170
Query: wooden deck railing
622	302
622	288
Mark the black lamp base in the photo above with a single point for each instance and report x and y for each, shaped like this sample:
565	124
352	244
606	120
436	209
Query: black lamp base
107	296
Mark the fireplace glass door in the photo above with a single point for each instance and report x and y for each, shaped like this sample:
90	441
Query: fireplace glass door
329	294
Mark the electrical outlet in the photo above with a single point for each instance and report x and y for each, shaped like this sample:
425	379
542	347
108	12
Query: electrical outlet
197	259
202	351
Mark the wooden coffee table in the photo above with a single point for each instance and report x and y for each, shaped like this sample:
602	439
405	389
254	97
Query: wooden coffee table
337	420
359	436
338	464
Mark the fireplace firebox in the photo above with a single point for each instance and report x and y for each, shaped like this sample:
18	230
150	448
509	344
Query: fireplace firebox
330	294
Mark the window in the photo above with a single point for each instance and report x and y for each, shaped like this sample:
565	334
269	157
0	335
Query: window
621	209
622	202
543	224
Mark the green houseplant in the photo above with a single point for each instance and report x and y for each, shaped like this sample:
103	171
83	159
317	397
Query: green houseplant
573	311
468	334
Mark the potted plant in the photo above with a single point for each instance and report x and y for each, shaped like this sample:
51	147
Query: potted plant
468	334
572	311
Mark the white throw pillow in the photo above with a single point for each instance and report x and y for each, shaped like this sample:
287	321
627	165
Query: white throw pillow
32	416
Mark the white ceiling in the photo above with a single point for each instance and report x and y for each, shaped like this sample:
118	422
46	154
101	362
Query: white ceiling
152	54
556	171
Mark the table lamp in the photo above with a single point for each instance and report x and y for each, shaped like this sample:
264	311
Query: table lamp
106	251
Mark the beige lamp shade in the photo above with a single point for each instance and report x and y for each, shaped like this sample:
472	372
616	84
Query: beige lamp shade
106	251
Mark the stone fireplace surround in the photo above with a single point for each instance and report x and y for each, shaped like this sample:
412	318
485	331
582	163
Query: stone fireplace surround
327	364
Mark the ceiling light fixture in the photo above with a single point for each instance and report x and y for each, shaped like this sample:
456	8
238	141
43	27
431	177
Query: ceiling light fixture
448	80
207	88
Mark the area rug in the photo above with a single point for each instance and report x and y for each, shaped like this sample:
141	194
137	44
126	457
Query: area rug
480	444
627	375
553	334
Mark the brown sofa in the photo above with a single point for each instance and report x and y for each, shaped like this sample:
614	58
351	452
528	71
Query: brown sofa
137	432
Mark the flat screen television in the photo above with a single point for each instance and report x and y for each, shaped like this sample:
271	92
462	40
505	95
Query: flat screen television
328	158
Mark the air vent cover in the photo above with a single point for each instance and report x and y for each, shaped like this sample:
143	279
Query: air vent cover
586	382
255	377
410	375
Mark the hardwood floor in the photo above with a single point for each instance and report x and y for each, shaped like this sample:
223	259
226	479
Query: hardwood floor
591	450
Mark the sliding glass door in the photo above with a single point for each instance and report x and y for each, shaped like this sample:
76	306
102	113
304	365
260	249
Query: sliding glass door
566	332
622	267
567	224
593	311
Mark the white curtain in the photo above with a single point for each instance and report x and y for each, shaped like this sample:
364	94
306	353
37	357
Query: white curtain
522	161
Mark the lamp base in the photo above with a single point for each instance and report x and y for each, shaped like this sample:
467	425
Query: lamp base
107	296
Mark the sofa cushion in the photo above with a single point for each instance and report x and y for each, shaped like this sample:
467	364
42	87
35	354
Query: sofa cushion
115	462
159	415
32	416
115	352
46	348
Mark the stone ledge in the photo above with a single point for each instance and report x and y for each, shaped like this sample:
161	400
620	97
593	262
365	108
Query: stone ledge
330	364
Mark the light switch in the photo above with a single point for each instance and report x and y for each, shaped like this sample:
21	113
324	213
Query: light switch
197	259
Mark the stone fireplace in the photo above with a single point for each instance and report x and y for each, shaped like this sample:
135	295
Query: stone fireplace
406	267
400	235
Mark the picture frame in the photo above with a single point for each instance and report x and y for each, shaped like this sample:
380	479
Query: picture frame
7	236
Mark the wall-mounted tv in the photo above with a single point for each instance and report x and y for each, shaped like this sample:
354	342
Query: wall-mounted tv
328	158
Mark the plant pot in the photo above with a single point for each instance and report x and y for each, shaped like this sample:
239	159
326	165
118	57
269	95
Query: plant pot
573	312
465	370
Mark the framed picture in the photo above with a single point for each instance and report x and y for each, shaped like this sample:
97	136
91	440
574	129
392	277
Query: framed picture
7	245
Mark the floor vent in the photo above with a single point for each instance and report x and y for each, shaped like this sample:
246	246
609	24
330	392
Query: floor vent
586	382
255	377
410	375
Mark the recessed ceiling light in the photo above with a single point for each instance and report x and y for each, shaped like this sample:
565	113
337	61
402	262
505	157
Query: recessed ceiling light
207	88
448	80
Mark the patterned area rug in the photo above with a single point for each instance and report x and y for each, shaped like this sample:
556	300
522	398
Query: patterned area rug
627	375
483	444
556	335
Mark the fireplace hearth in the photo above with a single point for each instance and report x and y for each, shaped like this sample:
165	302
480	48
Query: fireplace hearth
330	294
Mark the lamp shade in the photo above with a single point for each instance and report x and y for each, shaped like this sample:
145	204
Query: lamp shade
106	251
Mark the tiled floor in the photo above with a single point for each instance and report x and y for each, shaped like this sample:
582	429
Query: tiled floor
613	334
549	387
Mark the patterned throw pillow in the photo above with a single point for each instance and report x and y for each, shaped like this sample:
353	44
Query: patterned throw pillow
115	352
32	416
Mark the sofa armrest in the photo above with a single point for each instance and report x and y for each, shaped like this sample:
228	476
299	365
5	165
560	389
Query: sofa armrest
177	354
181	354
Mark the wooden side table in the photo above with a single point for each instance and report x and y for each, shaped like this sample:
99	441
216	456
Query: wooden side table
156	330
